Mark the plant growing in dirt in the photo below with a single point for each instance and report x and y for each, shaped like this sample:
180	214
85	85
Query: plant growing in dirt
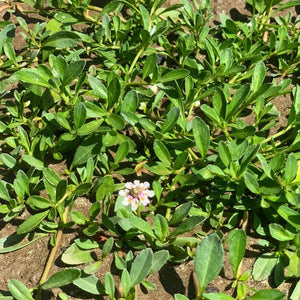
164	125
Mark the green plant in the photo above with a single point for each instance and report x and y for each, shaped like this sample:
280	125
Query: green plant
158	94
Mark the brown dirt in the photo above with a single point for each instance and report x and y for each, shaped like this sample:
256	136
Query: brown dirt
27	263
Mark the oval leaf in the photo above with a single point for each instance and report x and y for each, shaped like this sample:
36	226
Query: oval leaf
19	290
62	40
171	120
61	278
162	152
90	284
75	256
32	222
237	250
251	183
208	260
174	75
201	135
141	267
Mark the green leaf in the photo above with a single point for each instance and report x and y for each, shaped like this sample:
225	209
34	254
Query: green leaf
145	17
34	162
15	242
109	7
24	139
150	65
51	176
171	120
89	127
130	102
66	17
93	267
237	250
78	218
248	156
187	225
62	40
109	285
62	121
76	256
122	152
38	202
4	191
32	76
90	284
61	189
217	296
113	92
107	247
19	290
174	75
142	225
251	183
294	265
279	233
210	113
6	35
263	266
237	100
8	160
105	187
181	212
86	244
116	121
258	76
141	267
92	229
288	214
159	259
296	292
286	5
120	262
88	148
126	282
201	135
162	152
208	260
267	295
61	278
73	71
161	228
32	222
291	168
98	87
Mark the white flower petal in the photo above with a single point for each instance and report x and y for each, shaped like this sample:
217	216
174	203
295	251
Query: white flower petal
134	204
146	185
123	192
127	200
137	183
144	200
129	185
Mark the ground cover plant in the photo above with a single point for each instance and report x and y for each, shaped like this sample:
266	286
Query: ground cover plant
165	125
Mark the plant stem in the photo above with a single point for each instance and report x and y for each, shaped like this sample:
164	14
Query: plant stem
245	220
51	257
196	284
135	60
283	131
52	254
168	212
193	154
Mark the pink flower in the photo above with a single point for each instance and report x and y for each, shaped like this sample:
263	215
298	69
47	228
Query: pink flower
135	193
